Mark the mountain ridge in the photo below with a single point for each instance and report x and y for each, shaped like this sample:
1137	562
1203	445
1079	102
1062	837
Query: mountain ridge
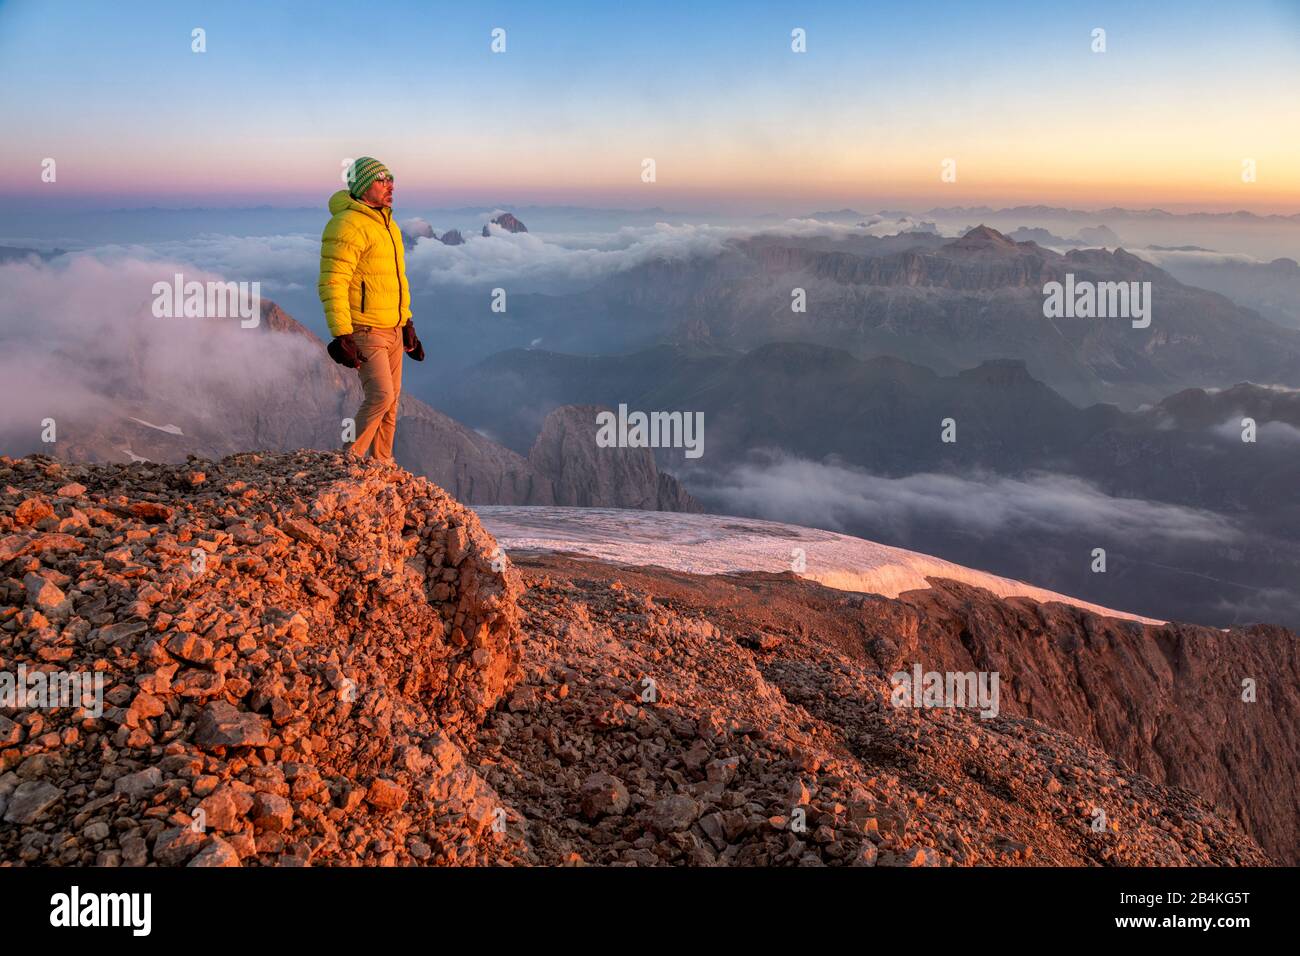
358	675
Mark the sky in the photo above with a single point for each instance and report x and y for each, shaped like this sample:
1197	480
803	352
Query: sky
733	119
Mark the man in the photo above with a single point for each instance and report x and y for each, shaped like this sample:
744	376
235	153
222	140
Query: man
367	299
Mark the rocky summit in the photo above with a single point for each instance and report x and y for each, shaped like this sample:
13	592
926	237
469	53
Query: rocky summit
313	659
293	648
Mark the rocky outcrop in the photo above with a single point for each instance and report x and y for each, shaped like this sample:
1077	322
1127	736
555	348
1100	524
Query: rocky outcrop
294	649
984	240
413	230
586	475
1196	408
453	456
673	496
506	221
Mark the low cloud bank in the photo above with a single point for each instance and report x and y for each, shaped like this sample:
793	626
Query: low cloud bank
530	261
79	341
840	498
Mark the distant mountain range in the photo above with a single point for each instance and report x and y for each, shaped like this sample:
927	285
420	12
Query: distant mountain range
949	305
416	229
874	423
1060	212
1270	288
17	254
1089	237
944	304
884	414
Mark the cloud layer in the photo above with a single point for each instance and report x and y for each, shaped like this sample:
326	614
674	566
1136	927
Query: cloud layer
842	498
78	340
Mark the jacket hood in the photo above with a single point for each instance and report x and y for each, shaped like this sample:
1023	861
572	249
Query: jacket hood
342	200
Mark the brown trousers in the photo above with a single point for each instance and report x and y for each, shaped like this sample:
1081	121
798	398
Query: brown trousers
381	381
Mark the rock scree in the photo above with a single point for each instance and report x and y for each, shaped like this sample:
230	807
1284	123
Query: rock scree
293	649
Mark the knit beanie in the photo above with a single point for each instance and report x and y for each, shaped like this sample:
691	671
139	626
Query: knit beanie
362	173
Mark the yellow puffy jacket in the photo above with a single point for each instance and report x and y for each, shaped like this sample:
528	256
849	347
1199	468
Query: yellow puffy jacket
362	267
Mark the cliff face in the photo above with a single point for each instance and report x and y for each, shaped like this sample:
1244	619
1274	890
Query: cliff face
1166	701
455	457
309	659
586	475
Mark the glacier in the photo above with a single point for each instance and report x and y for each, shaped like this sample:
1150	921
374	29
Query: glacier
721	544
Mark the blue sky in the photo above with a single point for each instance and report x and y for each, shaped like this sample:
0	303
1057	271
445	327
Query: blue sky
711	92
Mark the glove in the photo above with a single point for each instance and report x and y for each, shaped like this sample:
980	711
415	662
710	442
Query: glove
411	342
344	351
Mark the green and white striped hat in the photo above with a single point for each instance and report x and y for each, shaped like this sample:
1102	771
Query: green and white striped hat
364	171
